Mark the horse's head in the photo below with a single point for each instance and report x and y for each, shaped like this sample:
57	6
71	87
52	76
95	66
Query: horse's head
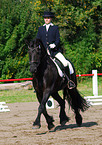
34	55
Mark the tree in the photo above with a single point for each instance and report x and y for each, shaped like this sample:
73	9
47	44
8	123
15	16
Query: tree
80	30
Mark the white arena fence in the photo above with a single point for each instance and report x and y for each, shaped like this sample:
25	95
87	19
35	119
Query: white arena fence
95	99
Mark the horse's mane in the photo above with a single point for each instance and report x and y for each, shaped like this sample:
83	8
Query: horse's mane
41	44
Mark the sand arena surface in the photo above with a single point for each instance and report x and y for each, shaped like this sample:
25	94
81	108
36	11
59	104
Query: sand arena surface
16	127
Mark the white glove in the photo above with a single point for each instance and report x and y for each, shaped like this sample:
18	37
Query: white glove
52	46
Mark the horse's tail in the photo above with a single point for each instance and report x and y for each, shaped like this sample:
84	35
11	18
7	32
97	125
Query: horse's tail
75	100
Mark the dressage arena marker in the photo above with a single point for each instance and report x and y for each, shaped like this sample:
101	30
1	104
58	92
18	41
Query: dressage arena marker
3	107
93	100
50	103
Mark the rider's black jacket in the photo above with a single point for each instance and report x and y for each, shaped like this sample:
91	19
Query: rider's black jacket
49	37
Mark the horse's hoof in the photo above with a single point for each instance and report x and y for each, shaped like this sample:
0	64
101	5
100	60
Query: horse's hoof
79	120
36	126
63	122
51	127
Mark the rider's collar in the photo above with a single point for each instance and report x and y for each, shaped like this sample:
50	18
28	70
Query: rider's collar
50	24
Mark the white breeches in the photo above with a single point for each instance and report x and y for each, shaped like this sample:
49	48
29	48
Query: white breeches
64	62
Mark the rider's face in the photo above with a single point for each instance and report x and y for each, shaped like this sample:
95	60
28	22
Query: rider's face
47	20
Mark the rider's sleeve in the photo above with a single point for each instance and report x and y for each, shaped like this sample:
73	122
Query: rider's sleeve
57	41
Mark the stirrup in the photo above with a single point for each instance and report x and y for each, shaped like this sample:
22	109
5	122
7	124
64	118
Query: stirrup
71	84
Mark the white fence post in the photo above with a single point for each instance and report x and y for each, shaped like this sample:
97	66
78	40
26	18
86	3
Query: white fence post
95	83
94	100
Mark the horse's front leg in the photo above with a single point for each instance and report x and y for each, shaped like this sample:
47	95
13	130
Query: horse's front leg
41	110
36	123
49	120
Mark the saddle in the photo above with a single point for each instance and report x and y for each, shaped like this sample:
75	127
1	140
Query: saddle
59	63
62	72
59	66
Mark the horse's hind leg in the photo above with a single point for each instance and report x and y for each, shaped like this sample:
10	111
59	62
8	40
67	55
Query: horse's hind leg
78	104
63	116
78	117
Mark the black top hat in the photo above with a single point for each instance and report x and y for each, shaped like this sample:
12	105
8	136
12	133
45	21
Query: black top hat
48	14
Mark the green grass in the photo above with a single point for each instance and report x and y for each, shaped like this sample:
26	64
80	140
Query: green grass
12	96
86	88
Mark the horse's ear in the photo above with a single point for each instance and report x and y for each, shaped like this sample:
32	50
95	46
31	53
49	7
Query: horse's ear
27	42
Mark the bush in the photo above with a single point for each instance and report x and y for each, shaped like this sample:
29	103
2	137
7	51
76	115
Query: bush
80	30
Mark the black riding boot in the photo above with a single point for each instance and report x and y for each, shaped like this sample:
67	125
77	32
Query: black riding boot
71	84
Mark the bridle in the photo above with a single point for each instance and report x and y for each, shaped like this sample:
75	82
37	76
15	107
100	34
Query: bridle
38	51
40	57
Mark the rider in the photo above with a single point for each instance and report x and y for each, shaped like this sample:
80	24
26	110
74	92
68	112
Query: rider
50	37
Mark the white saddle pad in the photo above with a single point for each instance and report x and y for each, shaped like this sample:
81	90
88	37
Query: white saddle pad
60	71
58	68
70	68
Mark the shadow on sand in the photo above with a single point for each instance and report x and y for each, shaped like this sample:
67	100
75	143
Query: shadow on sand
71	126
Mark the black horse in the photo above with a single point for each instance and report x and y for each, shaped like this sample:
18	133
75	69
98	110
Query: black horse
47	82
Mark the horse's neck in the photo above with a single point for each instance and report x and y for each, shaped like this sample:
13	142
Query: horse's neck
45	58
43	52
